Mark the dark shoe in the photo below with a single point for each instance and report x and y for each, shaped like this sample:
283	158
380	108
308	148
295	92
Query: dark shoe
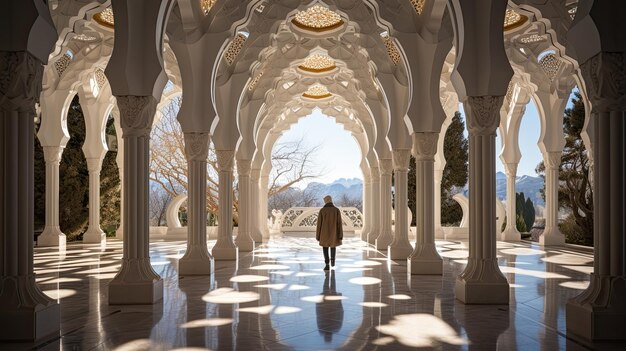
326	268
332	262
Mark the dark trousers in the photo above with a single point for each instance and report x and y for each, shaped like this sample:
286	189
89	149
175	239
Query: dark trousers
333	250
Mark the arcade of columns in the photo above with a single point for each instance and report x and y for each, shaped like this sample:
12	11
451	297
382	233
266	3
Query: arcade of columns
391	72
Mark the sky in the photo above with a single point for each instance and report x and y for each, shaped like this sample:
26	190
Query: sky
339	155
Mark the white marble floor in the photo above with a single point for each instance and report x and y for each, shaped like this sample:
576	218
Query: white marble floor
279	298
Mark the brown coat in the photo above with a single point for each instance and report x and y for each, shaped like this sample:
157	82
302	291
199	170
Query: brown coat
329	226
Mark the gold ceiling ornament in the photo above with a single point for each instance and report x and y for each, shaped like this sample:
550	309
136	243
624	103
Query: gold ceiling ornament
318	63
392	50
533	38
105	18
206	5
62	64
254	82
234	48
550	64
513	20
101	78
418	5
84	38
317	18
317	91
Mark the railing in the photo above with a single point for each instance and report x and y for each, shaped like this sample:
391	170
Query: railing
304	219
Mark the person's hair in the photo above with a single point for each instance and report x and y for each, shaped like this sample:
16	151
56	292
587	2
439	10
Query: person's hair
328	199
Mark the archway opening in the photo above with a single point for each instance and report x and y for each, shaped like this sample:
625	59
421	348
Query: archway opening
314	158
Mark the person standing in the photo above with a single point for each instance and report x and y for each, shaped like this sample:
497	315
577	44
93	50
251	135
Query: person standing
329	230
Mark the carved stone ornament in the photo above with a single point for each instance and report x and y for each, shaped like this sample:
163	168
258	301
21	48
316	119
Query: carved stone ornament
20	81
401	159
605	77
137	114
196	146
244	167
425	145
552	159
255	173
225	159
386	166
375	174
483	114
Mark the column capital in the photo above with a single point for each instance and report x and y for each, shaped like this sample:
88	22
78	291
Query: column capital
425	145
225	159
375	174
401	159
243	167
94	164
552	159
196	146
510	169
20	81
605	78
385	166
136	114
483	114
53	154
367	178
255	173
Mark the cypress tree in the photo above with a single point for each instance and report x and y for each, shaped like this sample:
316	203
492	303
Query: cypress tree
455	174
529	214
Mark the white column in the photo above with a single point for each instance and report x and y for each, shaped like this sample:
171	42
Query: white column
510	233
551	235
244	240
400	247
225	249
599	312
482	282
52	235
255	228
375	208
425	259
27	314
367	216
94	233
439	234
386	231
136	282
197	259
263	192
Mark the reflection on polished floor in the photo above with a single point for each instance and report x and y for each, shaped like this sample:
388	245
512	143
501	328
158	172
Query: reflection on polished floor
279	298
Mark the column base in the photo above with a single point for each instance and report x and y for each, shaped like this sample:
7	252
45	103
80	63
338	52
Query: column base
371	238
598	314
195	263
135	284
510	234
245	246
482	283
95	236
225	253
37	319
551	236
383	242
51	237
399	252
425	260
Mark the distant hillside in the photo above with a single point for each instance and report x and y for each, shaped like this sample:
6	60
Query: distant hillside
352	188
530	186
